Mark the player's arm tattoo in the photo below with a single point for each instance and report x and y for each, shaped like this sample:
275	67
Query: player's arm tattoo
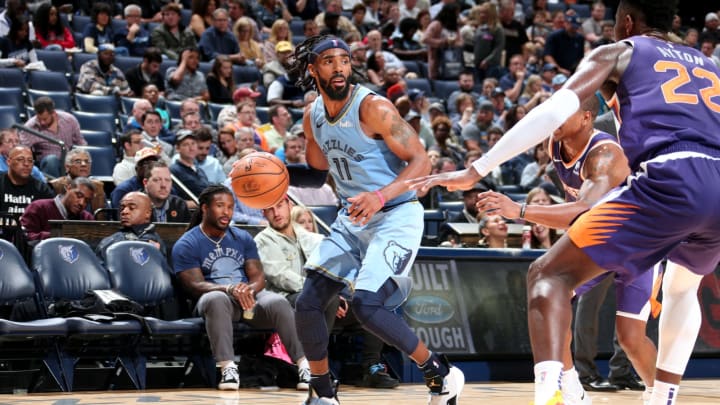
400	130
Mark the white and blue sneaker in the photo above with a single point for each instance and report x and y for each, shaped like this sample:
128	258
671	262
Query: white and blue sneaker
314	400
447	391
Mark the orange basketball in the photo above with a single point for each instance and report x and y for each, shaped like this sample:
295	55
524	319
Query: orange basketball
260	180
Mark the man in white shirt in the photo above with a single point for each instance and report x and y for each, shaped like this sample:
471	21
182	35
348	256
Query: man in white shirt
131	141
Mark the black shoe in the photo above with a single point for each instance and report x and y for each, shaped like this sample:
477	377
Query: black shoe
628	383
377	377
598	384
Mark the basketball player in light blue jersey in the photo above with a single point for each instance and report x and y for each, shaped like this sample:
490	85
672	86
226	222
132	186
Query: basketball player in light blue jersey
370	151
590	163
668	95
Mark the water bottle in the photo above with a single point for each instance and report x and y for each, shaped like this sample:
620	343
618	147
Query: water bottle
527	237
249	313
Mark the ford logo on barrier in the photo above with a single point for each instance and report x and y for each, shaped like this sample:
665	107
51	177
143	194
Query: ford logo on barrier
429	309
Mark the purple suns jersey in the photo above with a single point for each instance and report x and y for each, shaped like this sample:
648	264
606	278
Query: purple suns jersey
665	118
570	172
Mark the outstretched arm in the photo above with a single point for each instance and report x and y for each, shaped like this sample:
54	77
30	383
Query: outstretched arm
604	63
605	167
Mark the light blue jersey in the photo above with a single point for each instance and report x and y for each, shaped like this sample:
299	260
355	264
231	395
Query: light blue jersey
365	256
358	163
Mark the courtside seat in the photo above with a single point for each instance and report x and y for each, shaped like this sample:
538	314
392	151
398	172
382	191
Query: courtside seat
31	340
67	268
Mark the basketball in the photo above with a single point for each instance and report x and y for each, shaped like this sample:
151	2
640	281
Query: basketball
260	180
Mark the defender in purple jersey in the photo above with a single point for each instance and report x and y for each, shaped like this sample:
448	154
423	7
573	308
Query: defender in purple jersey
669	98
589	163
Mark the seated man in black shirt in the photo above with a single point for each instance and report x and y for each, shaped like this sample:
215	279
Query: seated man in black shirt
17	187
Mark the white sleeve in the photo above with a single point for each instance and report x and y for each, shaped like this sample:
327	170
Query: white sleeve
539	124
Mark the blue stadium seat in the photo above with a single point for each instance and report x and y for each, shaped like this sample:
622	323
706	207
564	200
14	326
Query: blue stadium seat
78	24
432	220
443	88
165	65
214	109
48	81
9	115
553	7
80	58
124	63
451	206
122	120
61	98
246	74
118	24
205	67
420	84
412	66
56	61
185	15
103	160
298	39
297	26
97	104
67	269
173	108
12	96
126	104
326	213
97	138
11	77
30	340
263	114
581	10
96	121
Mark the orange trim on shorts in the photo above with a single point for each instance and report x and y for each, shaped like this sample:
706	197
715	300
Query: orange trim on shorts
596	226
655	305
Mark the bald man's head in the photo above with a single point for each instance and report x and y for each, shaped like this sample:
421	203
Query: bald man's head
135	209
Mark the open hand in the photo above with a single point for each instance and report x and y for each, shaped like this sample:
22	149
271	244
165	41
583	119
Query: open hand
459	180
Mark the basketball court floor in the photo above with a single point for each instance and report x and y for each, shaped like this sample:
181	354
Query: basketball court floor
693	392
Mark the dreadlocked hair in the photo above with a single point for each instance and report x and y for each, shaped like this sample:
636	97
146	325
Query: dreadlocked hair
299	68
204	199
656	14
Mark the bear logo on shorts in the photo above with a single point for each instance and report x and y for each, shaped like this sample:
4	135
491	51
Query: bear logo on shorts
397	257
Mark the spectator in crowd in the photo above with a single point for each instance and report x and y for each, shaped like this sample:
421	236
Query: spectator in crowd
305	10
592	27
515	36
58	125
269	11
539	29
279	32
229	114
407	47
166	207
493	232
432	198
284	91
310	29
277	67
607	36
565	48
8	140
514	114
13	10
711	29
50	30
707	46
247	118
135	211
513	82
276	130
69	204
146	72
208	164
202	16
547	73
16	50
489	42
134	37
294	147
474	135
466	82
100	30
533	93
541	236
220	82
442	34
131	142
17	187
219	40
536	172
152	127
143	158
466	106
186	80
469	213
184	168
357	17
225	274
171	37
100	77
237	9
189	107
78	164
303	216
244	30
151	93
335	6
375	68
375	44
358	59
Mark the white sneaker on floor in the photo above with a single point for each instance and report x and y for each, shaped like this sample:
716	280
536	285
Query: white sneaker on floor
452	386
303	379
230	379
577	399
313	400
